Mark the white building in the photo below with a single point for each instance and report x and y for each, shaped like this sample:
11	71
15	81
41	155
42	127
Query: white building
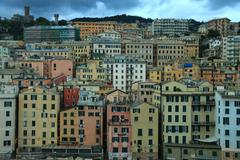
107	47
170	27
231	48
110	34
8	94
122	71
228	122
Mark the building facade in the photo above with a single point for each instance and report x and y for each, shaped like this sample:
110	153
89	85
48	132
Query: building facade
8	108
38	119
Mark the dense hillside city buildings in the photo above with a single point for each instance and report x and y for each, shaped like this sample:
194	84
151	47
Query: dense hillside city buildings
121	91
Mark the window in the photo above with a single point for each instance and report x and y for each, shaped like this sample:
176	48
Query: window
238	121
7	113
238	144
140	132
7	143
169	118
185	151
135	119
150	142
227	132
169	108
238	133
52	134
8	123
176	108
169	151
44	134
150	119
33	105
53	97
184	119
8	104
238	111
225	120
200	152
184	108
33	123
227	143
115	130
124	149
226	103
6	133
214	153
176	118
44	97
53	106
150	132
115	150
226	111
25	97
33	133
124	139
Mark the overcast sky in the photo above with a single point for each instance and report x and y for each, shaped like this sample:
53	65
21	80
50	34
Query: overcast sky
68	9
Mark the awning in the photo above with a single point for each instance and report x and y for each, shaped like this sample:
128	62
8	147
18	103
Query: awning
208	140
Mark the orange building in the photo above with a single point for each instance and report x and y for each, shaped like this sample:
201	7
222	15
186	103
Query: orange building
49	68
93	28
82	124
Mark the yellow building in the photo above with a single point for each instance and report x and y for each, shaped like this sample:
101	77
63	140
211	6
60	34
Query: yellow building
93	28
155	74
38	118
181	68
92	70
188	109
142	91
144	118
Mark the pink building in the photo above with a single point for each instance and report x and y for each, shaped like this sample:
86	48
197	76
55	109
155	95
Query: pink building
119	129
49	68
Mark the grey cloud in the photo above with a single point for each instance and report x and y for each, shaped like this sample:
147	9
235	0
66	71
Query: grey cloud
48	7
218	4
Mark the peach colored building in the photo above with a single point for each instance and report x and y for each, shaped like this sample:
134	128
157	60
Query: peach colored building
119	128
81	125
49	68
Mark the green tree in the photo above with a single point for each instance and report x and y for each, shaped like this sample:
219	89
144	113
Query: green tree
41	21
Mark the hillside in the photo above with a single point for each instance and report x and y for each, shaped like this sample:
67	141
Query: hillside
118	18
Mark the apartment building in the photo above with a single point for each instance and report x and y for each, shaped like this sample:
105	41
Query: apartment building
119	129
143	91
93	28
169	50
221	24
8	108
188	108
144	119
155	74
110	34
107	47
92	70
81	124
181	68
122	71
50	68
140	50
231	48
38	119
227	122
170	27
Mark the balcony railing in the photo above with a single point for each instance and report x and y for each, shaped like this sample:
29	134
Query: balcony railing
119	123
203	103
204	123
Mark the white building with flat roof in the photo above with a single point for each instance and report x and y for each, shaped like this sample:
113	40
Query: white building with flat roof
228	122
122	71
8	95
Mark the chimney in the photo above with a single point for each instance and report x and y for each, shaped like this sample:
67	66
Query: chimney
56	16
27	11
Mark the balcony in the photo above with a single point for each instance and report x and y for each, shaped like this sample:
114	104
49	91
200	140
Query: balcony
121	122
204	123
198	103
